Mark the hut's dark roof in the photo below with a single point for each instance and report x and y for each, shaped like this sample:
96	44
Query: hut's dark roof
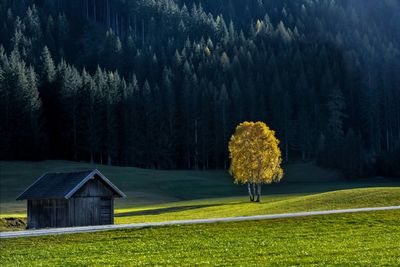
63	185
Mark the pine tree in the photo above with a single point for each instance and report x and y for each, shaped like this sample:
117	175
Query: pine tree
351	159
336	109
236	109
148	126
223	101
110	100
20	126
275	69
70	83
335	132
92	123
47	67
34	31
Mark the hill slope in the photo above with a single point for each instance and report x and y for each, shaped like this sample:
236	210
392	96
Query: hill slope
156	187
232	207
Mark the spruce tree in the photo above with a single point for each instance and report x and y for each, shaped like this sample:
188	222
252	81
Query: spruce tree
47	68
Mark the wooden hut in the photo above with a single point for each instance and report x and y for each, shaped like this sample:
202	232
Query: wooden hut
70	199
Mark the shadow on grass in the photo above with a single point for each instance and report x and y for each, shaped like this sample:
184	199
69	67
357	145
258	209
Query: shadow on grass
170	209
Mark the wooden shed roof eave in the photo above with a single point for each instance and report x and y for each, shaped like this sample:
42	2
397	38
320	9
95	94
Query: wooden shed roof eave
46	198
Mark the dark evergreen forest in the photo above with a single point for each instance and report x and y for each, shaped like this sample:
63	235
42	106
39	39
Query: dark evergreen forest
163	83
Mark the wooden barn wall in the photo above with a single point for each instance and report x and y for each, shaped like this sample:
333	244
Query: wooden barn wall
91	211
94	188
46	213
93	204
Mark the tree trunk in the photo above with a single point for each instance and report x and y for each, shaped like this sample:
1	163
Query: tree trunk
74	132
116	23
109	159
87	9
188	159
142	33
108	14
258	193
254	192
121	27
94	10
250	193
196	153
135	26
286	147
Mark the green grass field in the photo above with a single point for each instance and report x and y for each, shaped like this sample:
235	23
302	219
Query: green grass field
149	187
240	206
363	239
155	196
368	239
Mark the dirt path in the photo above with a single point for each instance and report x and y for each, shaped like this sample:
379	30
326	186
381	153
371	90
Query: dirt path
88	229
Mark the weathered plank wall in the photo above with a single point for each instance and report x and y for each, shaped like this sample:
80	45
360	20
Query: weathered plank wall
94	188
92	205
44	213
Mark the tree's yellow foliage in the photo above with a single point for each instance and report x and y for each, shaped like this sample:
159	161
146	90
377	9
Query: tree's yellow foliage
255	155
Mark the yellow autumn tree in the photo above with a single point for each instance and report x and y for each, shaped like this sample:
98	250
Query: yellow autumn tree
255	157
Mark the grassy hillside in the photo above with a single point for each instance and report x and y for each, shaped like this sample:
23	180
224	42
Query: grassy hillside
367	239
240	206
141	186
145	187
